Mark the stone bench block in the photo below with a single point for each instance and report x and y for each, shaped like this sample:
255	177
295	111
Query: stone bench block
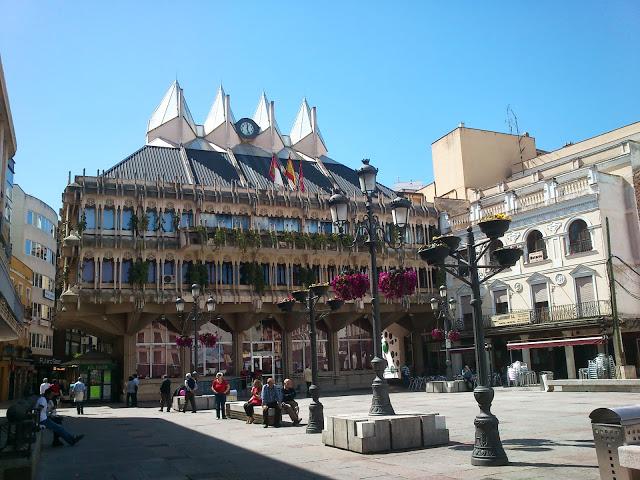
446	386
629	458
203	402
236	411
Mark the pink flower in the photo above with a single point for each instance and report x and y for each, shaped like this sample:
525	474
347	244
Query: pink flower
398	283
350	285
437	334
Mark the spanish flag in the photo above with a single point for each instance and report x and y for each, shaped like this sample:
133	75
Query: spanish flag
290	173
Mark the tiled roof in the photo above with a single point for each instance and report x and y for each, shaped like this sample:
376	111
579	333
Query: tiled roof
211	168
150	163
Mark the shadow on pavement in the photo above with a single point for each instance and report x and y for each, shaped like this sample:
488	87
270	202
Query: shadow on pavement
154	448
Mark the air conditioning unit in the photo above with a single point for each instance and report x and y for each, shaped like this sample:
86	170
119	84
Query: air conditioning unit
168	279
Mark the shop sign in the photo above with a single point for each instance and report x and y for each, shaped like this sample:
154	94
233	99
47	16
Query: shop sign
49	361
48	294
507	319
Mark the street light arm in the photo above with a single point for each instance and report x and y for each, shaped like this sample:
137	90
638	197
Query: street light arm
492	274
484	248
447	268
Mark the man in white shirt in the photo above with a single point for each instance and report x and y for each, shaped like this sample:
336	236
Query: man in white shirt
44	386
45	422
79	390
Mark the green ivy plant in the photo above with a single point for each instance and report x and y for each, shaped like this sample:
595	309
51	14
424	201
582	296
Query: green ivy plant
82	224
138	273
197	273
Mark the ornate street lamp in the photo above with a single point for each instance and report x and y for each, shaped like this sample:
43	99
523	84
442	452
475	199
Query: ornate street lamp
488	449
370	232
310	298
445	310
211	305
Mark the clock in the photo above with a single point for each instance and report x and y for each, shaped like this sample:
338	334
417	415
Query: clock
247	128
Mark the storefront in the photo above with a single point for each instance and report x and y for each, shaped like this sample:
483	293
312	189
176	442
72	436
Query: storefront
262	350
99	373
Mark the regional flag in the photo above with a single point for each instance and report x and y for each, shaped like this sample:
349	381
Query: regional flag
274	171
290	173
300	178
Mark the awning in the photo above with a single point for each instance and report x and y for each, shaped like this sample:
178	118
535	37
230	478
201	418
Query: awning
562	342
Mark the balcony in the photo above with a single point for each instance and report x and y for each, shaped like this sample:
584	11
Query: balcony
552	315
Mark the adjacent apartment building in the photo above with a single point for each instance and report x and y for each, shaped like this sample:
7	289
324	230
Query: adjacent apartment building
553	310
245	206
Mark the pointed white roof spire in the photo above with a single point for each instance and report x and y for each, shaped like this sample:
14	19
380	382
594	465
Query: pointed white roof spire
217	113
305	134
261	117
173	105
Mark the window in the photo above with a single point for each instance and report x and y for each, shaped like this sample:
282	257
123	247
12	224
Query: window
301	348
536	247
108	219
186	219
151	272
419	234
265	273
185	271
292	224
41	222
152	220
125	270
107	271
312	226
167	221
169	268
586	298
296	270
40	251
241	222
331	272
127	217
90	217
355	346
211	272
540	298
422	277
227	273
501	301
326	227
281	274
579	237
466	311
88	270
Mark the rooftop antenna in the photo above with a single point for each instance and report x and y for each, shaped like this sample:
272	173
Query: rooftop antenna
512	123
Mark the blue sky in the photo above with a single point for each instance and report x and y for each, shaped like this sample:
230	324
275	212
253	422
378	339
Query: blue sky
388	78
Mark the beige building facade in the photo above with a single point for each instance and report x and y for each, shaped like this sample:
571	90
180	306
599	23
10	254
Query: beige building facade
560	203
215	202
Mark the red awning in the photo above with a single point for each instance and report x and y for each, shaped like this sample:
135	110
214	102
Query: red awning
562	342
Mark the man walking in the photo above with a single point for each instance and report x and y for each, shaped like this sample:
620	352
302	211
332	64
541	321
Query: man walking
165	393
44	386
79	391
189	394
136	382
271	398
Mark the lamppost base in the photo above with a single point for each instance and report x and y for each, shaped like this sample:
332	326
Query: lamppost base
487	451
380	402
316	412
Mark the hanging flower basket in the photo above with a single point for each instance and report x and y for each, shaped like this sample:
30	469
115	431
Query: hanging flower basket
350	285
437	334
495	226
286	305
434	254
300	295
184	341
507	257
398	283
319	289
335	304
208	339
450	241
454	335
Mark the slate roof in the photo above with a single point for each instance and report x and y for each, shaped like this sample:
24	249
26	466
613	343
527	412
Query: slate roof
204	167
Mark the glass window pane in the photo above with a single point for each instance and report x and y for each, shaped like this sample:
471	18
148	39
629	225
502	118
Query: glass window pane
127	216
108	219
90	217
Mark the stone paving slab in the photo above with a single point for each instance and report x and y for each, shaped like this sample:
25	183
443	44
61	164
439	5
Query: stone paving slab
545	435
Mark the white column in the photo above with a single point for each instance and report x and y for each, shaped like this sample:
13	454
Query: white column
571	362
526	353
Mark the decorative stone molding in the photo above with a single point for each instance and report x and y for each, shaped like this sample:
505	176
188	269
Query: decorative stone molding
560	279
151	257
512	237
553	227
90	202
170	206
108	254
127	255
151	204
87	254
188	257
169	256
108	202
128	203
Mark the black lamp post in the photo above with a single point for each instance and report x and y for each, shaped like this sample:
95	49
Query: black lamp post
445	310
211	305
370	232
310	298
488	449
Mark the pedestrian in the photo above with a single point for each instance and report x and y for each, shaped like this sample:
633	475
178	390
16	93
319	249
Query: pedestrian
289	403
136	381
44	386
254	400
79	391
271	398
308	378
42	406
165	393
55	388
220	389
467	376
189	394
131	392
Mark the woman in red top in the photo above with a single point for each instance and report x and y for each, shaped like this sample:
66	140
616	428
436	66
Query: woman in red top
220	389
255	399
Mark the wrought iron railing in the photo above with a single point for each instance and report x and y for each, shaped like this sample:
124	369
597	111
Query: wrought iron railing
579	246
554	314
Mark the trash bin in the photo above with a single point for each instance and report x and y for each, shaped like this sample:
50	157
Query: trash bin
545	376
612	428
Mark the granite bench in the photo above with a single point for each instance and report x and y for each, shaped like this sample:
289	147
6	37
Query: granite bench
203	402
629	458
446	386
236	410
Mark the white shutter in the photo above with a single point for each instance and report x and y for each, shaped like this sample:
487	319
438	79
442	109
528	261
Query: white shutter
539	292
584	289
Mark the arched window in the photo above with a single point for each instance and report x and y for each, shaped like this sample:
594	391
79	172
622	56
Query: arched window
536	247
579	237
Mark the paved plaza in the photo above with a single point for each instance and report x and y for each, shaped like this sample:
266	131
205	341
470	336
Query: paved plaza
545	435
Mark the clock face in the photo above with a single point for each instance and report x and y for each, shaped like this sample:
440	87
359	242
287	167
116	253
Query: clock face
247	128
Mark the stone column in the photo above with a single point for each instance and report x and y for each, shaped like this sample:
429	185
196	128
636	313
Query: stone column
418	355
129	360
526	353
571	362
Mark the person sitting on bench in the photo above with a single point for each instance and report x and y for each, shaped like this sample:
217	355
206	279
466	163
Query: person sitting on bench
271	398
